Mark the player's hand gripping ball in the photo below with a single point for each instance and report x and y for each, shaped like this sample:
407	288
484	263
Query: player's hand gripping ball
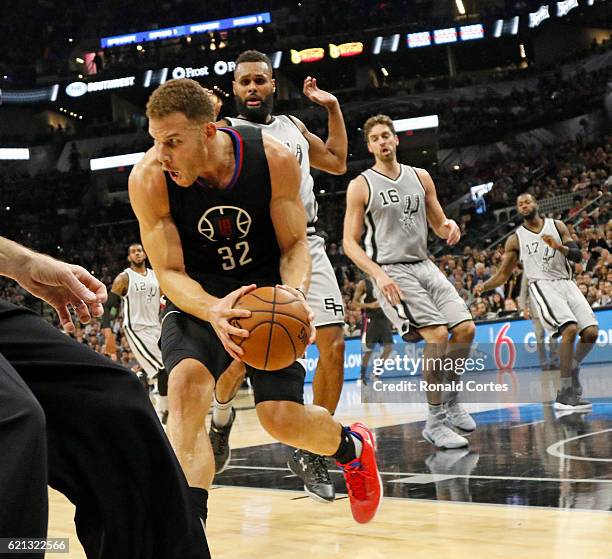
278	326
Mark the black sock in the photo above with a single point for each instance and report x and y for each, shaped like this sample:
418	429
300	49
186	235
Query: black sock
199	502
346	451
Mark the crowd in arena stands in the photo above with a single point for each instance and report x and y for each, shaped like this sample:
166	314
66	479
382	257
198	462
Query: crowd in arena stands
484	119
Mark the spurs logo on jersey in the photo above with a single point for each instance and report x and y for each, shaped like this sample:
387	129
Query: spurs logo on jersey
547	258
151	290
411	207
299	154
224	222
396	220
540	261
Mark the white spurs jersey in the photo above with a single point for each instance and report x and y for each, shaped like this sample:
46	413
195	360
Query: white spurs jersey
284	129
395	218
541	262
141	301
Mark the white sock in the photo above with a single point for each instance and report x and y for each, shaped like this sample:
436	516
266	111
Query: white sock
162	404
221	413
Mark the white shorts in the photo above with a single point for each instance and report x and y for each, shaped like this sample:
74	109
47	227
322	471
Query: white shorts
560	302
428	298
143	343
324	295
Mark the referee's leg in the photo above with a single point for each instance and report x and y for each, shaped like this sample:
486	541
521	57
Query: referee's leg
107	450
23	460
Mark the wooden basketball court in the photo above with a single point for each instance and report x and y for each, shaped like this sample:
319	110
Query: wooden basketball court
529	486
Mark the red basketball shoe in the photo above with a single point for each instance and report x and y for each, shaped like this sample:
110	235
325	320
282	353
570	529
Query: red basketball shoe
362	478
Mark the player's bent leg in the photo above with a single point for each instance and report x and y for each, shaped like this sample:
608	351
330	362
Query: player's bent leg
223	413
190	390
314	429
329	375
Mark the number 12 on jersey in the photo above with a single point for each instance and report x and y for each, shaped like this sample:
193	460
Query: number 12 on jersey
229	256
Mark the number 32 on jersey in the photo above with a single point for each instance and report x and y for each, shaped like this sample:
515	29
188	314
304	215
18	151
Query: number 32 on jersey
236	256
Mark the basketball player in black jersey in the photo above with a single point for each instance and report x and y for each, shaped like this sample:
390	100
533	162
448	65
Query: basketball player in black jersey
376	327
219	212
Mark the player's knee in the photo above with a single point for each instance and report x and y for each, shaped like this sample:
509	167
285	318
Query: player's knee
569	331
437	335
276	419
330	342
589	335
465	331
189	384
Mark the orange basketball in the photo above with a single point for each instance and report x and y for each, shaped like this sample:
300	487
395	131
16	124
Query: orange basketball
278	326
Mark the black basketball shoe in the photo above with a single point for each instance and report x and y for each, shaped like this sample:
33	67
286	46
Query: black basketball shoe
219	439
569	399
312	470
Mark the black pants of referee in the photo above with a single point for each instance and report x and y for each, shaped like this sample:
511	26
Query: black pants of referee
72	419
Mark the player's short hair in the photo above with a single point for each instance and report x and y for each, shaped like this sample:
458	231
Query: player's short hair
134	245
526	194
373	121
181	96
254	56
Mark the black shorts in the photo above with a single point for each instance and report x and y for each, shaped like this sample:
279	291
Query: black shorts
377	331
73	419
186	337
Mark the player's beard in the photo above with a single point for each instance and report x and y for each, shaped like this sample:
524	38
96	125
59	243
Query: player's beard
531	215
259	114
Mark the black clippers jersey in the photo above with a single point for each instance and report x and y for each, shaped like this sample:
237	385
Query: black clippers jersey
227	235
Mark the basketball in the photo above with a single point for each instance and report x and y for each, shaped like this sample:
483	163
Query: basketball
278	326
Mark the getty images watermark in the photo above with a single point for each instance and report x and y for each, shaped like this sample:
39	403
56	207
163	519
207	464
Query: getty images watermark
438	367
482	373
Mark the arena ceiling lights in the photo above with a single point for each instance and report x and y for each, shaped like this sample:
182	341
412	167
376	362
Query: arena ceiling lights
126	160
187	29
14	154
386	44
540	15
507	26
565	7
24	96
418	123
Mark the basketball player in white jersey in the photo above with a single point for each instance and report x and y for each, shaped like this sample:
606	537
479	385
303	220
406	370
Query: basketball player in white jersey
254	89
545	247
396	202
138	290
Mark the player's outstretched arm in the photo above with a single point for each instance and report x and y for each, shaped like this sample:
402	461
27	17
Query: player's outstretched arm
329	156
356	201
505	270
59	284
443	227
289	219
